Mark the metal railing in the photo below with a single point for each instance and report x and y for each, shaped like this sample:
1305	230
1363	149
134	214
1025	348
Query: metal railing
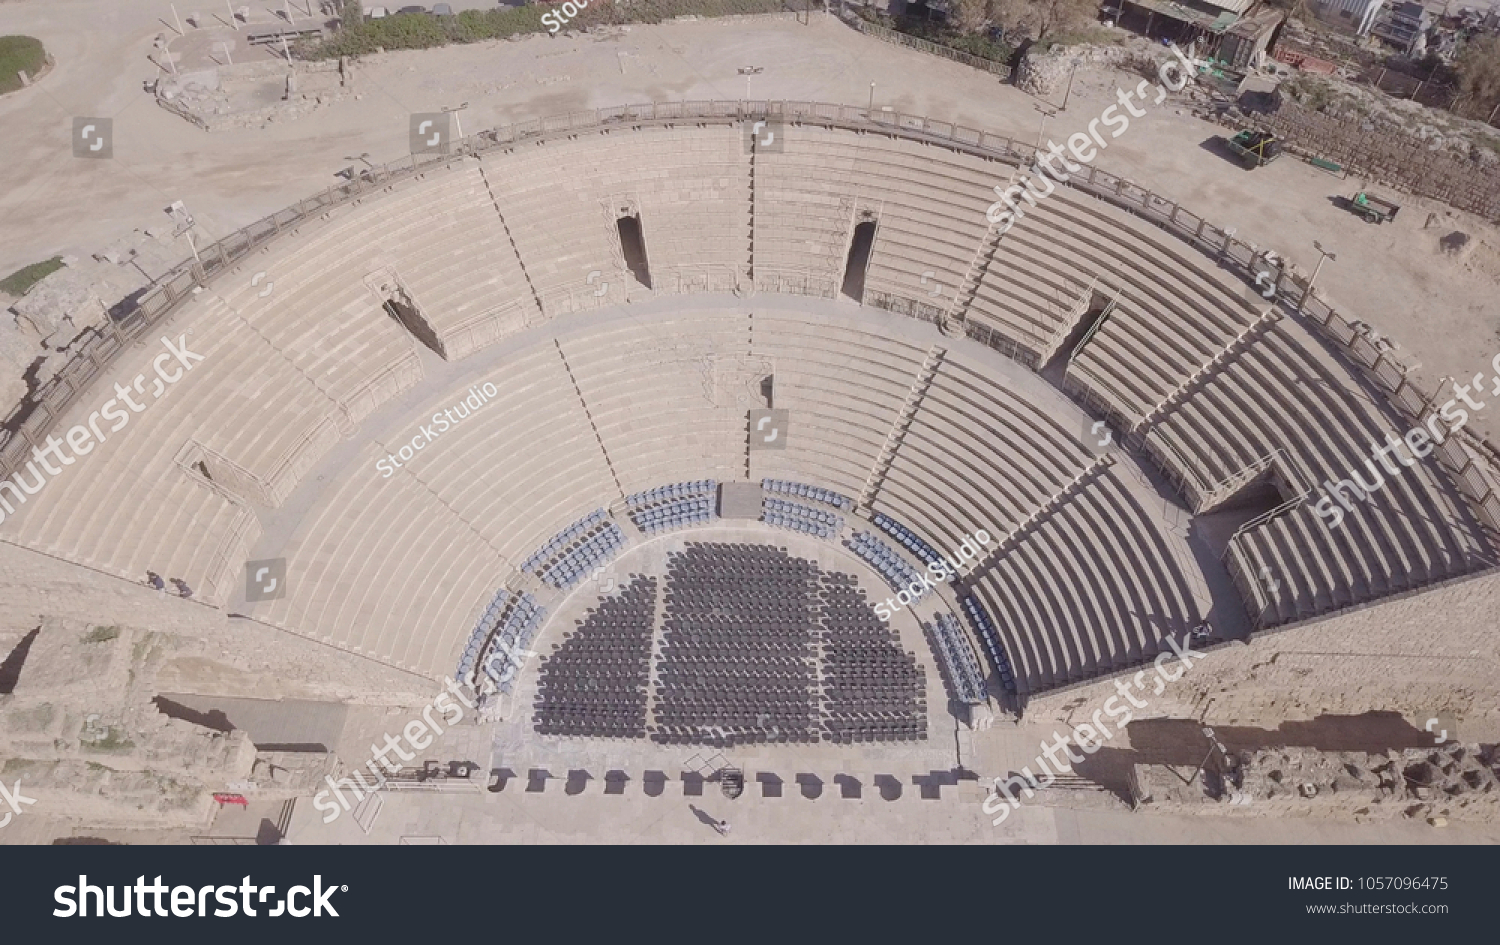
921	45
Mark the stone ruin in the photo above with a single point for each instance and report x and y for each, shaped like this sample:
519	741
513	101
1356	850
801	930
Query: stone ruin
80	730
254	94
1450	781
38	328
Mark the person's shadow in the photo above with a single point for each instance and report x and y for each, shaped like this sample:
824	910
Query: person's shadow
704	817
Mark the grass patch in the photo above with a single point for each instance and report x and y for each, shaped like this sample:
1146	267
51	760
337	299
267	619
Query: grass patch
419	31
17	53
101	634
20	282
113	740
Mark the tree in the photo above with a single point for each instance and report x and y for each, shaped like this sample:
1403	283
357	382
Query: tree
1478	68
1038	18
968	16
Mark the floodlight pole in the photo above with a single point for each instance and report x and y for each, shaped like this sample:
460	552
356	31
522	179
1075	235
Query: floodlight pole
456	121
228	5
1326	255
180	30
1069	93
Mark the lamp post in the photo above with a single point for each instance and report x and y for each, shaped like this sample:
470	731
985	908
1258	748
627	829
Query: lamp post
185	223
747	72
457	123
1326	255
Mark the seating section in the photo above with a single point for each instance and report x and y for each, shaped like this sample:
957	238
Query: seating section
977	455
1094	586
738	660
844	387
594	685
906	538
456	261
690	187
515	626
979	619
667	508
1280	394
805	491
873	691
965	678
319	309
400	567
804	213
1174	311
384	568
927	203
571	555
800	518
476	646
896	571
646	387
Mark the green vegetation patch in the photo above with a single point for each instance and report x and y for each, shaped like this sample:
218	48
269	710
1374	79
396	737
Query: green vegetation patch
21	281
113	740
101	634
17	53
361	37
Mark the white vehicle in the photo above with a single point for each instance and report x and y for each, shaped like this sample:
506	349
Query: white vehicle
376	13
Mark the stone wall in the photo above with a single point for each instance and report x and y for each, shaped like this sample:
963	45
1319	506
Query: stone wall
1388	157
1435	784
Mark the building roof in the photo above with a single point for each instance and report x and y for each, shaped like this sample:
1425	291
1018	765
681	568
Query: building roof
1224	19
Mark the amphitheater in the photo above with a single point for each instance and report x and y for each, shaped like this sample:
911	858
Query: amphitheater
625	302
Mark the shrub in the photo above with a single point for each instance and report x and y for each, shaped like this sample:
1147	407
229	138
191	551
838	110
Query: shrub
20	282
101	634
17	53
418	31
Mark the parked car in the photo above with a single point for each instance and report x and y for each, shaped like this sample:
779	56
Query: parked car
376	13
441	9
